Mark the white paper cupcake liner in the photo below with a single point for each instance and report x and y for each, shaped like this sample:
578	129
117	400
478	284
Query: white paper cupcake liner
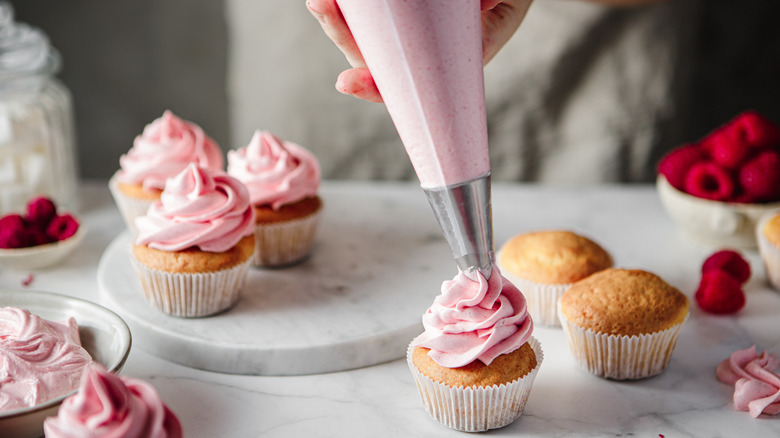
541	299
620	357
284	243
770	254
191	294
476	409
129	207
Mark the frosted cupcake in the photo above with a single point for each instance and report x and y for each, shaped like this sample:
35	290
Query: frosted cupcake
165	148
107	405
476	362
622	324
768	237
195	244
544	264
282	179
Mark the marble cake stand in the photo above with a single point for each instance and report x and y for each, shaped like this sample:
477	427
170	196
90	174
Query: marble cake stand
356	301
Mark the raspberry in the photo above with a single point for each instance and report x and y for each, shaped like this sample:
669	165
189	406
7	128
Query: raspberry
12	221
755	130
37	236
62	227
675	165
40	211
13	239
706	180
719	293
760	177
730	262
726	147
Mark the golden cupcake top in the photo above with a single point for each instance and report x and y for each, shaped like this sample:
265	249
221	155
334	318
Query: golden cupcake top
553	257
771	230
504	369
624	302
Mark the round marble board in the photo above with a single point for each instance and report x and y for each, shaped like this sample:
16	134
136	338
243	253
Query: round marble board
377	264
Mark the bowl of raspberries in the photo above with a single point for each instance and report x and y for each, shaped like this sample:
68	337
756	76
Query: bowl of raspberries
718	188
39	237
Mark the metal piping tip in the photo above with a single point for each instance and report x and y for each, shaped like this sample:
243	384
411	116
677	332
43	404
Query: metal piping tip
465	217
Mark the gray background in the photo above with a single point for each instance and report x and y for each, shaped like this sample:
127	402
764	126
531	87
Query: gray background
126	62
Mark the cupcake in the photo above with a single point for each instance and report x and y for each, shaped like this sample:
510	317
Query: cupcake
768	236
543	264
476	361
195	244
282	179
165	148
107	405
622	324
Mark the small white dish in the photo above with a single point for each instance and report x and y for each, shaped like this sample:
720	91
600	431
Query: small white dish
713	223
103	334
41	256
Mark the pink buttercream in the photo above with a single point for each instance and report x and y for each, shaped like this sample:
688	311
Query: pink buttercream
276	172
40	360
165	148
755	379
199	207
109	406
472	320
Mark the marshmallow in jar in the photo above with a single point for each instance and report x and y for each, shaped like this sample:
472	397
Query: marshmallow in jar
37	140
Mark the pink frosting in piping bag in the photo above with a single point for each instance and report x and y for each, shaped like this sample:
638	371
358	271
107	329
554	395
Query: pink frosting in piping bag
475	320
276	172
40	360
756	383
165	148
110	406
200	207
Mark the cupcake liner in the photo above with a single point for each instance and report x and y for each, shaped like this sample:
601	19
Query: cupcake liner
191	294
475	409
541	299
129	207
284	243
770	254
620	357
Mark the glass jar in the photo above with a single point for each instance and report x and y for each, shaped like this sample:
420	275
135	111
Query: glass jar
37	134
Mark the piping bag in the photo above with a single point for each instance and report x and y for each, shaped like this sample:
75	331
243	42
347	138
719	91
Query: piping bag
426	59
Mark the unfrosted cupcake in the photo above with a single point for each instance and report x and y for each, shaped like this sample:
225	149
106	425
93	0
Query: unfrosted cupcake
544	264
282	179
768	237
622	324
165	148
107	405
195	244
476	362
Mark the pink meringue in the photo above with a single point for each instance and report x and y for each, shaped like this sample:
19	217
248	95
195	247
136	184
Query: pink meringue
110	406
40	360
276	172
755	379
475	320
199	207
165	148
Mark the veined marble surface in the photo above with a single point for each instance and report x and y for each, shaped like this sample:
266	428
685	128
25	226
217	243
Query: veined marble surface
381	400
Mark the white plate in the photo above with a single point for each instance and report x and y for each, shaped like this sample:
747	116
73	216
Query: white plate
103	334
41	256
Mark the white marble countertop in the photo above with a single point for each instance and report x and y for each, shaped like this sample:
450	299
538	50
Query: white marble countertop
381	400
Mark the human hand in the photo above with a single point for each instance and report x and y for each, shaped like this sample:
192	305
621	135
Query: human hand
500	20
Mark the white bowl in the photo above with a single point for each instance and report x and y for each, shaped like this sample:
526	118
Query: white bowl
41	256
103	334
713	223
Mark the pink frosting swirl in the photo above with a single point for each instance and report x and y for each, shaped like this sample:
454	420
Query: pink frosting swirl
275	172
40	360
472	320
199	207
756	382
166	146
110	406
